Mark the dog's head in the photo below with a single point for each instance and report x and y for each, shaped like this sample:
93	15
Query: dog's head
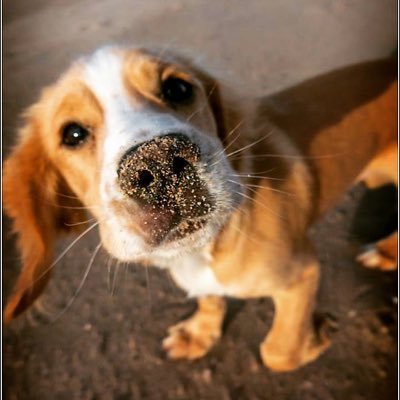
134	137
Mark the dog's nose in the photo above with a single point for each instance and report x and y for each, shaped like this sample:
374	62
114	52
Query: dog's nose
156	163
162	176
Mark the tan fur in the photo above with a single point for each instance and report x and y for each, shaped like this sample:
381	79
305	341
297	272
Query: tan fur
313	141
193	337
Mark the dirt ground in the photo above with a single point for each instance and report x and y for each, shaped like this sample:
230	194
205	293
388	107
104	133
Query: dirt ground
107	345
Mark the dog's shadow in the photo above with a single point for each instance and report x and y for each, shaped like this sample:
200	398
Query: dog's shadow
375	218
376	215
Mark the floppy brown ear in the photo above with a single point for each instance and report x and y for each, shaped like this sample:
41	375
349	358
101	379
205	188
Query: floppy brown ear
33	199
228	112
213	93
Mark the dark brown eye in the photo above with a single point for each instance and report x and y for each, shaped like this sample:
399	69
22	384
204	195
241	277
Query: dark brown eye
74	135
176	90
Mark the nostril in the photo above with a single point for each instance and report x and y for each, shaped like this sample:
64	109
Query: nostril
178	165
145	178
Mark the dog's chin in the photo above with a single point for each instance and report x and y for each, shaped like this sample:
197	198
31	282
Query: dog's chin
188	236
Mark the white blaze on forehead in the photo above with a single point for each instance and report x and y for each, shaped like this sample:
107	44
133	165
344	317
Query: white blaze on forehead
103	74
127	120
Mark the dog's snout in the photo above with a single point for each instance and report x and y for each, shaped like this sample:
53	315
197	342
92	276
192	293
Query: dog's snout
162	176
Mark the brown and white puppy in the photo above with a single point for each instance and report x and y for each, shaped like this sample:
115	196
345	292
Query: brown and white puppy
181	175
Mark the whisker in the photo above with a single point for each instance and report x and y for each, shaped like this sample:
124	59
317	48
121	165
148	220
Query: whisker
80	223
66	195
195	112
65	252
260	204
218	153
242	232
246	212
233	130
149	299
51	203
46	188
290	156
271	190
114	283
109	262
204	105
249	186
257	176
250	144
126	270
83	280
74	207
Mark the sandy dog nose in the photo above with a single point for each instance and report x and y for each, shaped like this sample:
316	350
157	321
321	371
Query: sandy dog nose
166	162
160	160
162	176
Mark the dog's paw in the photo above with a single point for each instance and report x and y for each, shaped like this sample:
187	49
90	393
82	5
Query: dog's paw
283	357
190	339
277	360
373	257
286	361
381	255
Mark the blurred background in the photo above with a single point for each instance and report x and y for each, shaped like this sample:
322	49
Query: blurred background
107	345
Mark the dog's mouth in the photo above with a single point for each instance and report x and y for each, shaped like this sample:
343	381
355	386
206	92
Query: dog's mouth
162	226
185	229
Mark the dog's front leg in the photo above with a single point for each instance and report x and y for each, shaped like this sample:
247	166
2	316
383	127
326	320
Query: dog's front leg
194	337
293	339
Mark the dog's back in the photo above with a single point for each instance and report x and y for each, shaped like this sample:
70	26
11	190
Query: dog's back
340	121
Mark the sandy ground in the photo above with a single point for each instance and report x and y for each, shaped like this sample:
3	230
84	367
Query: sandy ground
107	345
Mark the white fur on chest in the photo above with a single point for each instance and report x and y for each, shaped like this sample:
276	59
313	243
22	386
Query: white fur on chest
193	274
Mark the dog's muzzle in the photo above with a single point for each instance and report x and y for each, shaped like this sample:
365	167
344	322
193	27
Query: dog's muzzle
161	176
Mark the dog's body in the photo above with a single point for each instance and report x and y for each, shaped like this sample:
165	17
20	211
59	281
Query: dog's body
183	176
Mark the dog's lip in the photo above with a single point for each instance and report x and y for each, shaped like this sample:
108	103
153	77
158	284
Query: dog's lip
186	228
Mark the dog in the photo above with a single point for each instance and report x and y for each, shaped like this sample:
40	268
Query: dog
182	173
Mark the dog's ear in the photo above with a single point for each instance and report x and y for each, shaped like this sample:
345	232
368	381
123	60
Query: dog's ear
36	199
227	109
213	93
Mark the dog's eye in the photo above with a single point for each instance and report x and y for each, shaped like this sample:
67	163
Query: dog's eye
74	135
176	90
